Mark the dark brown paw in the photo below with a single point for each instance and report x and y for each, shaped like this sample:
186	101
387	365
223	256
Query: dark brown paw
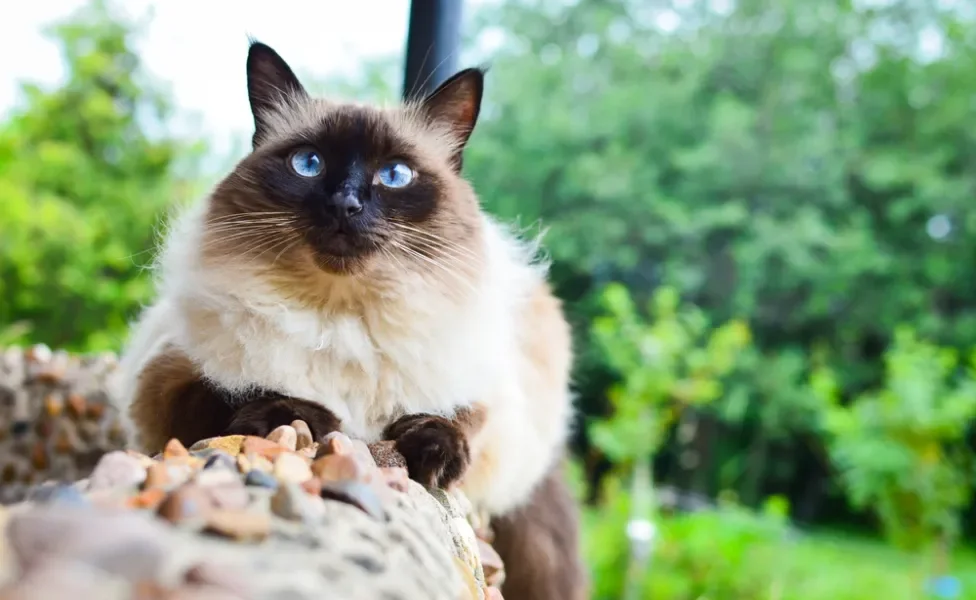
435	448
261	416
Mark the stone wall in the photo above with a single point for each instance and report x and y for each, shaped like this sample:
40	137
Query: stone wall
233	517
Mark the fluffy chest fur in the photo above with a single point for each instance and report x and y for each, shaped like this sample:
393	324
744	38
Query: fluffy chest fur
367	368
369	355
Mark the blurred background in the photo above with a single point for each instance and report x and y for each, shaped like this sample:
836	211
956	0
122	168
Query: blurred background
761	216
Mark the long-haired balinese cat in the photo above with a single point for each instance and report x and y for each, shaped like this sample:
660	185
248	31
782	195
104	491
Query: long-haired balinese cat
344	273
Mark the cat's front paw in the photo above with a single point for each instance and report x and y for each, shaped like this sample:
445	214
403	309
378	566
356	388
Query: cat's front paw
435	448
261	416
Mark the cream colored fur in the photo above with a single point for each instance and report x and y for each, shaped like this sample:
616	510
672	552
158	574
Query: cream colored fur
396	341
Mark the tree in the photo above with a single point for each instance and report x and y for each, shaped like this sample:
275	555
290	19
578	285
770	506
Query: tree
82	184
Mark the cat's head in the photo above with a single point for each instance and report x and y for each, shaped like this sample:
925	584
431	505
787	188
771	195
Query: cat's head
347	189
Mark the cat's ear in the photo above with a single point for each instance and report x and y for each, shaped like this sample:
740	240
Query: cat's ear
270	83
456	104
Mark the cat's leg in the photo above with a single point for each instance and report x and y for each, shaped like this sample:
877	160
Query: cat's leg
173	400
261	415
540	547
436	449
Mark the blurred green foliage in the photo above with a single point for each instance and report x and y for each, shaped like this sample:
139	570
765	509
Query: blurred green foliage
82	185
786	186
901	450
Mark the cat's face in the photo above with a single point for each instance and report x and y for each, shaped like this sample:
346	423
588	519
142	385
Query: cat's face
344	188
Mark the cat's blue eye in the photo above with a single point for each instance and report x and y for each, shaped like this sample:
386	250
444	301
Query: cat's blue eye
307	163
395	175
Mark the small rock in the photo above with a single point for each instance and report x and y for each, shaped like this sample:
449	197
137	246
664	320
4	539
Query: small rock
493	593
261	479
231	444
362	453
144	460
335	442
243	464
260	463
117	469
291	467
240	525
308	452
220	460
65	442
53	405
305	439
231	496
261	447
147	499
337	467
285	436
385	454
175	449
188	504
77	405
58	493
491	564
396	478
290	502
66	578
158	476
121	543
20	427
215	477
360	495
39	456
96	410
312	486
219	576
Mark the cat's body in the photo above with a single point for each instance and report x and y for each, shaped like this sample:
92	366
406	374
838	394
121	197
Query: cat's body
368	301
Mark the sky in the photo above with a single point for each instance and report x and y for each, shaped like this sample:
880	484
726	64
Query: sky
198	48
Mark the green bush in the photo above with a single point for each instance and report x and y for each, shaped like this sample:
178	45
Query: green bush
82	185
901	450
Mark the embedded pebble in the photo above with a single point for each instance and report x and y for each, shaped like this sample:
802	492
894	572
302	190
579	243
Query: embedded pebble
188	504
218	576
147	499
335	442
261	447
291	502
261	479
217	477
360	495
230	495
220	460
396	478
175	449
231	444
51	532
337	467
385	454
117	469
58	493
291	467
285	436
304	435
240	525
491	563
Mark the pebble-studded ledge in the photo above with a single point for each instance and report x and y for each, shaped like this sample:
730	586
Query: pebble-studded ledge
235	518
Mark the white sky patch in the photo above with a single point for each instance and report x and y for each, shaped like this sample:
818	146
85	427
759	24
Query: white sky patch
198	48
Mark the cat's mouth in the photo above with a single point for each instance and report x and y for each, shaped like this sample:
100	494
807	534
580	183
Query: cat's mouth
341	251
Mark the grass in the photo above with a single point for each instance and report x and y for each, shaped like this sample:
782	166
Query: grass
735	555
840	566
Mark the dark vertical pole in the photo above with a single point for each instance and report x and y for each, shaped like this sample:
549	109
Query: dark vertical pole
432	45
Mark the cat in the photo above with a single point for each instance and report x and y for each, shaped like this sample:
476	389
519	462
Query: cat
344	273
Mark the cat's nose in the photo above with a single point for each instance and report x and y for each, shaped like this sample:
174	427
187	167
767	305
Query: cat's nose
346	203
